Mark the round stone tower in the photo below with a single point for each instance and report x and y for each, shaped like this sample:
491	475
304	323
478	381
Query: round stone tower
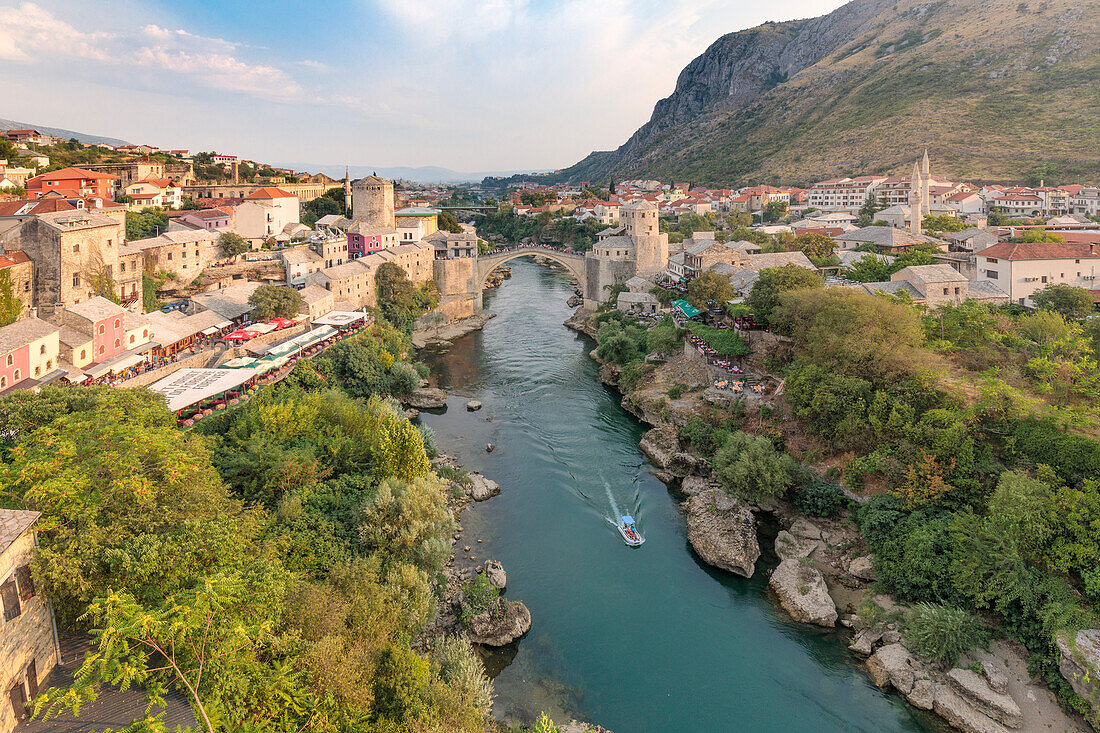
372	201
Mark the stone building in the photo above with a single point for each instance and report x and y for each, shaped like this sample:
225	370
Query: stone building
935	285
74	252
130	172
415	223
451	245
21	271
29	350
28	637
183	254
415	258
372	201
351	284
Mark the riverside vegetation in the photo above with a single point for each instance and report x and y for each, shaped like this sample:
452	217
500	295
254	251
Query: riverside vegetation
970	430
277	564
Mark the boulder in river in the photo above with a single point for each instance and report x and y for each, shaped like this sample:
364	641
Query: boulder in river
473	405
660	444
502	624
975	689
803	594
723	531
494	571
482	488
426	398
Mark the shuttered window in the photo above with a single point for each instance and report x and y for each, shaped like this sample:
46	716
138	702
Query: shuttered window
10	598
26	583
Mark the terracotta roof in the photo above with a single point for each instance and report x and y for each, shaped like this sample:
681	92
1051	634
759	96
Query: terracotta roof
269	192
43	206
1041	251
14	257
67	174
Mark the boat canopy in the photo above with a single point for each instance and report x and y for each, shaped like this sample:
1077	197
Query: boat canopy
628	520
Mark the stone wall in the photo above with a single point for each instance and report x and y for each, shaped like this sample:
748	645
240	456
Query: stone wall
29	636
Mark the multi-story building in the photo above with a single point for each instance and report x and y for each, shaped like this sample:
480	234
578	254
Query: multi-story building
364	238
452	245
266	212
128	173
159	192
74	182
184	254
1086	201
300	263
74	254
1021	270
838	194
29	350
414	224
217	219
415	258
28	636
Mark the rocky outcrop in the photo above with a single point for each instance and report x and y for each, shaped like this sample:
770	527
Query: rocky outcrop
692	485
1080	664
976	690
953	708
501	625
425	398
803	594
494	571
661	444
862	568
473	405
789	547
482	488
722	531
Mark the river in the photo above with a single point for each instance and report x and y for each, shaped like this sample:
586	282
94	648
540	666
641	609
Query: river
635	639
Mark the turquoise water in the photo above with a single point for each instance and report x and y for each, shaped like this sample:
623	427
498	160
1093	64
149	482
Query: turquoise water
636	639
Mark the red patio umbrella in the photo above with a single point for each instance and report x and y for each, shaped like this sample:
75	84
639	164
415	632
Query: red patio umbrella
281	322
242	335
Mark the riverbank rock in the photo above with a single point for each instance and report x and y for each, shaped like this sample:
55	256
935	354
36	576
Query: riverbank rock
412	413
425	398
863	568
1080	663
953	708
503	624
482	488
894	665
660	444
692	485
574	301
722	531
473	405
976	690
806	529
803	594
686	464
494	571
863	643
789	547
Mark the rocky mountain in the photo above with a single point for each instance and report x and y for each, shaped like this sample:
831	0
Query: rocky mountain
995	89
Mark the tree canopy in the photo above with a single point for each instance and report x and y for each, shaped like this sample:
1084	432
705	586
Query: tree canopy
275	301
773	282
1071	302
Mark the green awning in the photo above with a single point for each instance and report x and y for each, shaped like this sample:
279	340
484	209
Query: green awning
686	308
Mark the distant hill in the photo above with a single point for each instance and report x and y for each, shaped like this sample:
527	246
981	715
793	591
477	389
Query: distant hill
995	89
423	174
61	133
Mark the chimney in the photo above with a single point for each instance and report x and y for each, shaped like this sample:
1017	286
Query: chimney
236	172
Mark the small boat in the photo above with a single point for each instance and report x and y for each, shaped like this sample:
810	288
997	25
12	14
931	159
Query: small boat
629	531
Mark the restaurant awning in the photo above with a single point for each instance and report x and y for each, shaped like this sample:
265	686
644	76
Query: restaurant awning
261	327
242	335
686	308
209	331
339	318
281	322
188	386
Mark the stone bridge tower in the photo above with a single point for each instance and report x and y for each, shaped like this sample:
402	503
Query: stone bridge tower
650	244
372	201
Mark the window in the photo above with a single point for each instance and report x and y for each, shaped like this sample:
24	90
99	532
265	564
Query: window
992	274
110	242
16	377
122	267
76	280
118	343
991	260
49	364
26	582
83	354
1043	279
10	597
169	256
102	349
131	338
11	360
76	248
118	323
102	329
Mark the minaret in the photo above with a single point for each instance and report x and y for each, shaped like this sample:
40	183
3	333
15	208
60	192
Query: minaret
925	183
916	200
347	189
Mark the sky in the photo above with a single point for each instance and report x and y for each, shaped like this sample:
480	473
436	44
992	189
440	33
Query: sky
471	85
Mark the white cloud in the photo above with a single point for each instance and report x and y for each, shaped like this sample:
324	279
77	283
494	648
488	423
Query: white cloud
455	21
32	34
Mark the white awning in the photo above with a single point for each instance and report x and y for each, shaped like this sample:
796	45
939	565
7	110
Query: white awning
188	386
261	327
114	365
339	318
209	331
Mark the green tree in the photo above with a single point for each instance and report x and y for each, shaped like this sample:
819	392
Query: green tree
408	521
871	206
275	301
773	282
942	223
709	289
1071	302
1038	235
448	223
815	245
145	223
749	466
739	219
10	305
662	339
232	244
775	210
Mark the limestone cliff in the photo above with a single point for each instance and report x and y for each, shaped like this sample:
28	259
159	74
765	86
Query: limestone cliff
994	88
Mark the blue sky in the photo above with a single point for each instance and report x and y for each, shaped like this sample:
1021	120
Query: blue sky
472	85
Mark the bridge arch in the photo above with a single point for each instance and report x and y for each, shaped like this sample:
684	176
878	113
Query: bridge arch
574	263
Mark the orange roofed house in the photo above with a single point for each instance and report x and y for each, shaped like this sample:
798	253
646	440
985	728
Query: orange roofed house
265	212
73	181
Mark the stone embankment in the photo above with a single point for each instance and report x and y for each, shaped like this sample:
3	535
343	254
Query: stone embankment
824	576
434	330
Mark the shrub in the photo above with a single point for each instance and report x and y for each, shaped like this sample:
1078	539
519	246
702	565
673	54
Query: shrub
749	466
704	436
478	596
819	499
428	436
676	391
941	633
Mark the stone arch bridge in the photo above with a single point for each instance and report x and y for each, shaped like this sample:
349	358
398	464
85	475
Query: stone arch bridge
486	263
